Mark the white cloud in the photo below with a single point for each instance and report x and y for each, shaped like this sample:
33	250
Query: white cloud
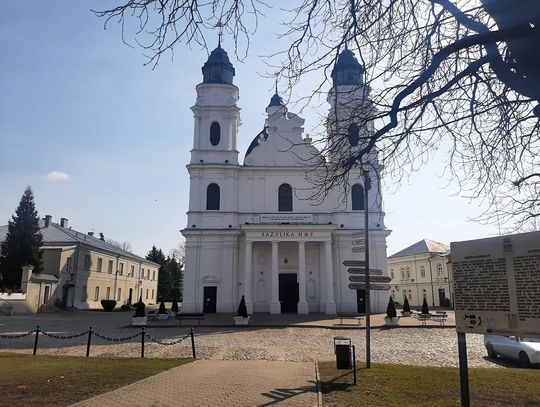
57	176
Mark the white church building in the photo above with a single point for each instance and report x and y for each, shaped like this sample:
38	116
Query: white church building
252	228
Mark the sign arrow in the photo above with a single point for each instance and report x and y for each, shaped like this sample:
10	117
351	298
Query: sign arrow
372	279
362	286
360	242
358	249
355	270
357	235
354	263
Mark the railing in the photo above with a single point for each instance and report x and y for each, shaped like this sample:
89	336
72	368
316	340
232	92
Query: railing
90	332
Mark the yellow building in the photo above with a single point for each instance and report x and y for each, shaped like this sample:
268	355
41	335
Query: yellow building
89	269
422	270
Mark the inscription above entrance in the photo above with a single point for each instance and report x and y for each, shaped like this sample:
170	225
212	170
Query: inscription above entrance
305	218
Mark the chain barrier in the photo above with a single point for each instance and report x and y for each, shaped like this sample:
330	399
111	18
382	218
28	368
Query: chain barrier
127	338
62	336
15	336
167	343
143	334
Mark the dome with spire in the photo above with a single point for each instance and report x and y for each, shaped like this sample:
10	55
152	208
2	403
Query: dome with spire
276	101
347	71
218	68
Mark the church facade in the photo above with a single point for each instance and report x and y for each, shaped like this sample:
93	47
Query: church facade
254	228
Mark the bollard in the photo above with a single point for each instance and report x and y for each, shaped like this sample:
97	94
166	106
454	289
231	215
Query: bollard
89	340
193	344
35	342
354	363
142	341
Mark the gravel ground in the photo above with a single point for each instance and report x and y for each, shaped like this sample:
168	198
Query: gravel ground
415	346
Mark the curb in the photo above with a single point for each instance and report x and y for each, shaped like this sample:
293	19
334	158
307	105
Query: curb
317	379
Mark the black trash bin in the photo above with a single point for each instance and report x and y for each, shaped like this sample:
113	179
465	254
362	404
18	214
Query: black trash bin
342	349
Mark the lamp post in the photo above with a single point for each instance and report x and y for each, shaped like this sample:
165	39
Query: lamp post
367	187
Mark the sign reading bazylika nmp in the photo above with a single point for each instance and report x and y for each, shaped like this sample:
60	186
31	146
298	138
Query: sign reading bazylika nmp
497	284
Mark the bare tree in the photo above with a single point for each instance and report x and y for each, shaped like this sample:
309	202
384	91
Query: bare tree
458	75
125	245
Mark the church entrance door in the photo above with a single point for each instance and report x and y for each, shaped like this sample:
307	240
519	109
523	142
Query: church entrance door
288	292
210	299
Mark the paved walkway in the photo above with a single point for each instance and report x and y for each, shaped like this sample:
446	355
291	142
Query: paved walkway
220	383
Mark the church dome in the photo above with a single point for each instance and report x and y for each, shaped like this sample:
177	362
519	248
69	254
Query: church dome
218	68
347	71
276	101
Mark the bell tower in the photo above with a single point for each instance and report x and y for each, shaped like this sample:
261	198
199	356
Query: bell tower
216	115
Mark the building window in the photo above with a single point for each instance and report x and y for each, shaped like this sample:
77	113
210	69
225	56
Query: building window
285	198
83	293
68	265
99	264
424	292
96	294
147	293
148	274
87	262
422	271
109	270
392	275
108	293
357	195
408	271
152	294
353	133
141	274
119	294
212	197
410	295
132	270
154	275
215	133
121	269
439	270
402	273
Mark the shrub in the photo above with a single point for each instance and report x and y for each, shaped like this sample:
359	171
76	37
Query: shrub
162	307
242	310
406	306
125	307
140	309
425	309
174	306
391	309
108	305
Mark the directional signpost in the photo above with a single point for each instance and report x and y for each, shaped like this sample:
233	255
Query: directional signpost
356	270
362	286
373	279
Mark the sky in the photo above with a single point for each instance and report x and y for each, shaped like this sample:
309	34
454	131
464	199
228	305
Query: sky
104	140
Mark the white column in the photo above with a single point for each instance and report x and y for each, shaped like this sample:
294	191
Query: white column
303	307
248	273
275	306
330	304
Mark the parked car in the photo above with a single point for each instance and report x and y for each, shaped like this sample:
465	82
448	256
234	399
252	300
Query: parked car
525	350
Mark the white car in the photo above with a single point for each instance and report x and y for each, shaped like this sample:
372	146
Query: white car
525	350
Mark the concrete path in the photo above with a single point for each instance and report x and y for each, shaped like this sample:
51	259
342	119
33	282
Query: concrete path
220	383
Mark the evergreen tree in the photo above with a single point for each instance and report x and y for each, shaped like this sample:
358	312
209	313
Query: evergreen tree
391	308
156	255
22	243
406	306
175	279
425	308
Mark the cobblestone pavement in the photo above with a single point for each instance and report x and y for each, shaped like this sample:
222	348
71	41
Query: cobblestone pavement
220	383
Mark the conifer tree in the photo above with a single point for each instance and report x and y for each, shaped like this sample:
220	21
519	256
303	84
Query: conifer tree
22	243
425	308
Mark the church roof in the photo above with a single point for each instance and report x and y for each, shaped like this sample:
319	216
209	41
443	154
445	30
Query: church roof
276	101
218	68
263	134
424	246
347	71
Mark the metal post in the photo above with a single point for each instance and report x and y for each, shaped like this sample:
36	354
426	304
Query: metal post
192	343
367	183
142	341
89	340
354	362
35	342
463	369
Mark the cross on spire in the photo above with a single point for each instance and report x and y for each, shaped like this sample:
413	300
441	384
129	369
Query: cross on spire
220	25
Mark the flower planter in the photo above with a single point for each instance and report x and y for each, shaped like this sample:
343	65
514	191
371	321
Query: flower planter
162	317
405	314
241	320
391	321
139	321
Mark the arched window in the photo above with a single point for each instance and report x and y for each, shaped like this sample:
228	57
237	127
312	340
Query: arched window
215	133
422	271
212	197
285	198
357	193
353	134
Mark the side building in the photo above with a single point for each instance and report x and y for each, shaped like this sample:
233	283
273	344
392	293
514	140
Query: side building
80	270
422	270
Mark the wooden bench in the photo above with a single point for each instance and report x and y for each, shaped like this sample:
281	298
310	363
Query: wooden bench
193	315
356	318
423	318
440	317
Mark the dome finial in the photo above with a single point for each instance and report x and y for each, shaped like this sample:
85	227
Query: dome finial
220	25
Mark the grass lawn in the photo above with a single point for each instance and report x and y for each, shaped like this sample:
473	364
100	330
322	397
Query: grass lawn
401	385
62	380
